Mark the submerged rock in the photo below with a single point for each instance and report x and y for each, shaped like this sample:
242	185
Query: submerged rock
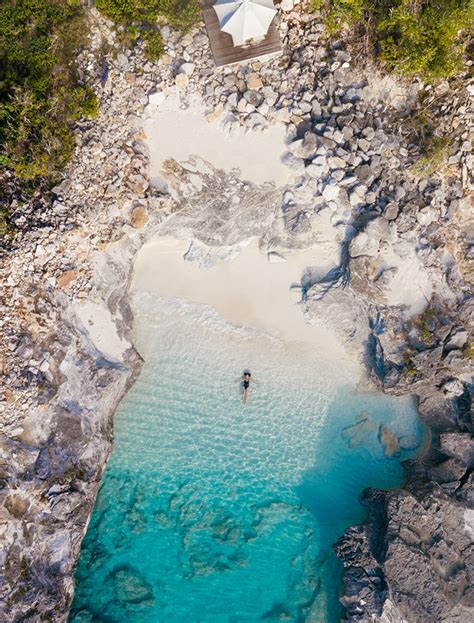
358	434
389	441
130	587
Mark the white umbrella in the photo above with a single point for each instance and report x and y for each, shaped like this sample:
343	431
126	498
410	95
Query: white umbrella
245	19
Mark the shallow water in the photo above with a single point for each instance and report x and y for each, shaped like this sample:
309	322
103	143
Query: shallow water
215	512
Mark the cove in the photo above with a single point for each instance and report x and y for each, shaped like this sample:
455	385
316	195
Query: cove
215	512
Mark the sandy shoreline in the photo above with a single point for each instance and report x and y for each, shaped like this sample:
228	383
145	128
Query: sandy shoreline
252	289
248	290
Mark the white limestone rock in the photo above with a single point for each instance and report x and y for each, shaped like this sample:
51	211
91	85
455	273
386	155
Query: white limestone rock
156	98
331	191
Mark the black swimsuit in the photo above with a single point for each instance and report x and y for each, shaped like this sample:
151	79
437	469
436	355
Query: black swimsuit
246	384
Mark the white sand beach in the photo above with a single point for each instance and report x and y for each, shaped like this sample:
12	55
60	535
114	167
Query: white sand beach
174	132
252	289
248	290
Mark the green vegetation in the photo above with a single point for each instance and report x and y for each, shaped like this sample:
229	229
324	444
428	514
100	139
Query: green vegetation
40	98
433	159
425	38
154	44
40	95
6	230
139	18
410	367
468	350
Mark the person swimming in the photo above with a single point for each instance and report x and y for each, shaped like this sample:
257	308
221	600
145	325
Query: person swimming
246	379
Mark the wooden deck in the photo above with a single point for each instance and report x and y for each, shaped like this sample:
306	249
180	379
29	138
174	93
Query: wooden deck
223	49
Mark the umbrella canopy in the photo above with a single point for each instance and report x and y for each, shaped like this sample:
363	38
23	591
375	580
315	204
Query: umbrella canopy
245	19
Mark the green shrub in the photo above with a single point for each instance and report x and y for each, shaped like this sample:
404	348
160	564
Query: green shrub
88	104
425	38
5	227
140	18
180	14
154	44
39	95
410	367
436	154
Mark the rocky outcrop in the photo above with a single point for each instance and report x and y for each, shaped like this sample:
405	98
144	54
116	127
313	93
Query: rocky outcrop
419	566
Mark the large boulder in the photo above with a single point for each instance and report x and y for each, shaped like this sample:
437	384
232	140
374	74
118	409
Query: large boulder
459	446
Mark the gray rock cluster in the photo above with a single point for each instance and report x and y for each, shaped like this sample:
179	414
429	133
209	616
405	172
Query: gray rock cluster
421	566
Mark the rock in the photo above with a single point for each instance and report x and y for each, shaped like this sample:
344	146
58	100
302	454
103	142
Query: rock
122	62
391	211
331	192
334	162
364	244
233	100
456	341
305	148
216	113
453	389
141	148
43	464
165	31
139	217
364	587
409	442
138	183
254	81
316	110
187	69
282	115
256	120
363	144
459	446
16	505
130	587
181	80
156	98
314	171
368	133
426	562
389	441
357	195
294	163
159	184
357	434
253	97
166	59
66	278
451	470
364	174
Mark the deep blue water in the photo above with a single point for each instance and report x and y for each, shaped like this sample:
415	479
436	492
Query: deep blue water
215	512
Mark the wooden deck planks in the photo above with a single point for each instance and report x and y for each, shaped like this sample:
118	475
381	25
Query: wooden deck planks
223	49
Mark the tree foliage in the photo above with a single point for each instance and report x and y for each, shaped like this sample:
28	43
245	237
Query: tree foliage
425	38
40	97
139	18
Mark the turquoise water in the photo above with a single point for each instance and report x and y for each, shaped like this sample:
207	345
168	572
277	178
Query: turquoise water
215	512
